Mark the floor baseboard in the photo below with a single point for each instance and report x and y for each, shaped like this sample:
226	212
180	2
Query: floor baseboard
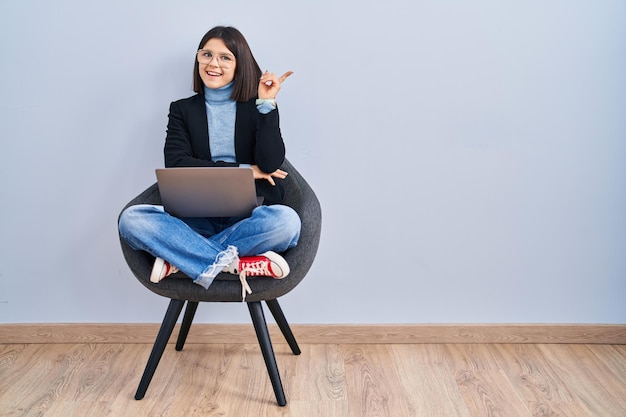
321	333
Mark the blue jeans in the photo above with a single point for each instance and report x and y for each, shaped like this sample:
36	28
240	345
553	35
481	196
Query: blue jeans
202	247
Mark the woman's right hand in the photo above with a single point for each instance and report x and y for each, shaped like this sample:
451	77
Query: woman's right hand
260	175
269	84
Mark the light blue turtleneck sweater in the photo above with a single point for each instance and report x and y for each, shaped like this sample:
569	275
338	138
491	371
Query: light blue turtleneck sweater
221	113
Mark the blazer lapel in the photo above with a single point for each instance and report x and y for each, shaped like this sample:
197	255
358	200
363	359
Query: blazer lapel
198	127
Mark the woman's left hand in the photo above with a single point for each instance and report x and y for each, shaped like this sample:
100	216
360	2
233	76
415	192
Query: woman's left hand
260	175
269	84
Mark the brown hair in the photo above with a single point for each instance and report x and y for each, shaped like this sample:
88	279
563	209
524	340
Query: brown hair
247	71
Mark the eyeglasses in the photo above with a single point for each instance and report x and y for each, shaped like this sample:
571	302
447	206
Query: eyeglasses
224	60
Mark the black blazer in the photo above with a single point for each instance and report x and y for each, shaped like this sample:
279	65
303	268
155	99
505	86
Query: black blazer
258	141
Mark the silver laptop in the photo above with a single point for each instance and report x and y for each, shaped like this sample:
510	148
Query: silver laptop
207	192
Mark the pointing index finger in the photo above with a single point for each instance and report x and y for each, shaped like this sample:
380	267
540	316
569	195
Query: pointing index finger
284	76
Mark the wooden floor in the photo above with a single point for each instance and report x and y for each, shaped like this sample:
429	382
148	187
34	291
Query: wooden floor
395	380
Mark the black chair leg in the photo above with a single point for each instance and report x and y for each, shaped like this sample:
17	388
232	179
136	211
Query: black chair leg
262	333
190	312
277	312
171	316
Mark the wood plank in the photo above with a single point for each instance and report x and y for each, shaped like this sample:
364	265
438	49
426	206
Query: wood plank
372	384
486	390
9	354
322	334
40	377
614	357
537	383
428	383
324	366
579	369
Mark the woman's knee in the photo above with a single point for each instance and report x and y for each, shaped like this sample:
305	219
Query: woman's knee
289	221
133	217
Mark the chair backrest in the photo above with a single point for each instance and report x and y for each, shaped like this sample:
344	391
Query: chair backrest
226	288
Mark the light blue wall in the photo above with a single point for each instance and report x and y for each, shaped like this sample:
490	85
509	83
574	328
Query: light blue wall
469	156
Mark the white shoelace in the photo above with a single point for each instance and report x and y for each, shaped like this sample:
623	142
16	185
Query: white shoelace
255	269
245	288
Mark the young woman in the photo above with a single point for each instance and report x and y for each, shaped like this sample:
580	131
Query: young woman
231	121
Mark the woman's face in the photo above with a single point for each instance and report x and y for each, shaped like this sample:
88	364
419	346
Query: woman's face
216	64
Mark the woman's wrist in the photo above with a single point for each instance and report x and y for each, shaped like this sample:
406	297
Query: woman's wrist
265	106
260	101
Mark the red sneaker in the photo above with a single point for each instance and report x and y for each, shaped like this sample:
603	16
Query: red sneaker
161	269
268	264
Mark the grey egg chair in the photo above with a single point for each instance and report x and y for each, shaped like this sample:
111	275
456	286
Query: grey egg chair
227	288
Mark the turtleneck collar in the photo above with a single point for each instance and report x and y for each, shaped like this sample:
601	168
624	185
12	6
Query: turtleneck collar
219	95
